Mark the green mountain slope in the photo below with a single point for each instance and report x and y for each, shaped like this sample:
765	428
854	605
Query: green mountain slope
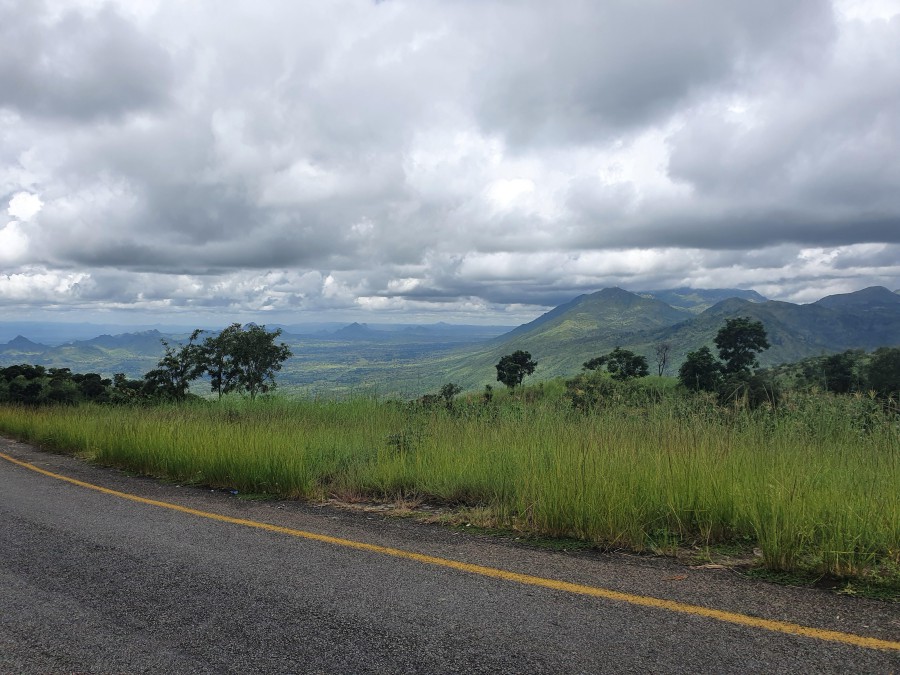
696	300
562	339
866	319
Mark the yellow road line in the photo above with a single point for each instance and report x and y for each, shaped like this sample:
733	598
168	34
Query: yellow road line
565	586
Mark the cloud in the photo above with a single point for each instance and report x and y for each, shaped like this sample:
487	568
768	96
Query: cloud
379	157
24	206
77	64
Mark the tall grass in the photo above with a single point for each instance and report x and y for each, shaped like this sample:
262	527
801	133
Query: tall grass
816	484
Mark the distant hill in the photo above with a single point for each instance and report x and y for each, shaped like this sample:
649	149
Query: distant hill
590	325
874	298
611	310
21	345
141	342
130	353
698	299
565	337
355	331
866	319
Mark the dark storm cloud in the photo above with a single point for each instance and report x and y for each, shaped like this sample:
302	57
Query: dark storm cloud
583	71
462	156
76	65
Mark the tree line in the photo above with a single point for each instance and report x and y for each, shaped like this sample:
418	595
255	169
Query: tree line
242	359
733	375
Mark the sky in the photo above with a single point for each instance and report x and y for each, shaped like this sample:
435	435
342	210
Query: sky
474	161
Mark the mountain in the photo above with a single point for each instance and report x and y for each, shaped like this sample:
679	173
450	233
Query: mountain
130	353
355	331
865	319
611	310
591	325
142	342
698	299
21	345
567	336
874	298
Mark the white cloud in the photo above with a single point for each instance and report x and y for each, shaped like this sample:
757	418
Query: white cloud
13	243
24	206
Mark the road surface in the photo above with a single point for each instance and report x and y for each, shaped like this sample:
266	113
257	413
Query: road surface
153	577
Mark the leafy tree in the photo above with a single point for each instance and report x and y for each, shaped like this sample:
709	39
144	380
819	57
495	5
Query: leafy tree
92	387
255	358
125	390
218	357
700	371
622	364
839	372
595	363
24	383
61	388
662	352
176	369
884	371
22	390
513	368
448	393
739	341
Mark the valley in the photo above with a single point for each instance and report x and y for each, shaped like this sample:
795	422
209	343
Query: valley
410	360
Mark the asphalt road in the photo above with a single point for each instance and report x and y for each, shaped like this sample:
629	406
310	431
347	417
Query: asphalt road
93	582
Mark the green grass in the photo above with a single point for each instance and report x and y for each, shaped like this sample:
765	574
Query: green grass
814	485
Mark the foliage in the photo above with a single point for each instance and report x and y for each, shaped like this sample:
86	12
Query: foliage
591	390
622	364
513	368
700	371
254	360
237	359
448	392
176	370
218	357
749	390
739	341
27	384
884	371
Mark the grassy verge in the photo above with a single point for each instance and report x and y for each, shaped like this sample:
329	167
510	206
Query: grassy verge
814	486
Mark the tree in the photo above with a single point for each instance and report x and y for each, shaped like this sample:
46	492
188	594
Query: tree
176	369
448	393
739	341
700	371
92	387
594	364
255	358
622	364
839	372
218	357
884	371
662	351
125	390
513	368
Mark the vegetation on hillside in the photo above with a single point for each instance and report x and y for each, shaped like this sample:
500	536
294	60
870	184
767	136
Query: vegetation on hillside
238	359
